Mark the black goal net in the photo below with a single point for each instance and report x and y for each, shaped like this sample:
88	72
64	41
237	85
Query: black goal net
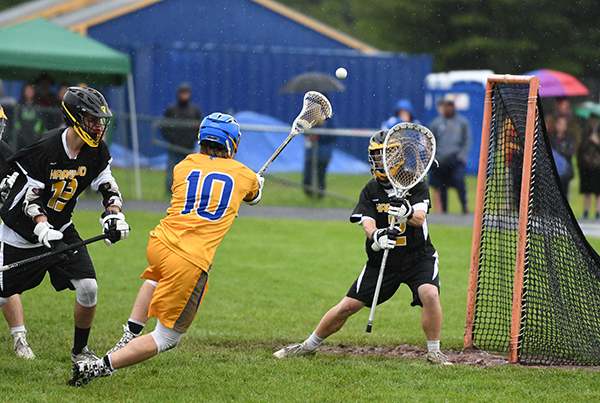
551	314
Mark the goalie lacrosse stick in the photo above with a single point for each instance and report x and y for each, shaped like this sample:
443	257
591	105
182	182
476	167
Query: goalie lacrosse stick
52	252
408	152
316	109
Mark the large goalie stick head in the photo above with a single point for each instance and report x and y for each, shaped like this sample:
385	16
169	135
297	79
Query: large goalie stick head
408	152
315	109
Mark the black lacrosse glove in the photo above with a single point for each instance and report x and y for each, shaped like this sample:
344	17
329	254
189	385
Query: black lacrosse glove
384	238
114	225
400	209
59	245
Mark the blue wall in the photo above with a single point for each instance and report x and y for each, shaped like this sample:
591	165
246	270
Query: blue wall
238	54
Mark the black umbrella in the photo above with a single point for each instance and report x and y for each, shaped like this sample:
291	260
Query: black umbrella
312	81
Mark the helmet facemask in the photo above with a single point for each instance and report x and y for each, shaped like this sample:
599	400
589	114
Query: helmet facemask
90	128
376	159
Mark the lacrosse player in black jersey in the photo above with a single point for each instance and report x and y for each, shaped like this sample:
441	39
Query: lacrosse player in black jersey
36	215
412	259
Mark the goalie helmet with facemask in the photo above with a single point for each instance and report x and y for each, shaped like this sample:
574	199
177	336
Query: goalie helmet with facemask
376	158
221	128
3	120
86	110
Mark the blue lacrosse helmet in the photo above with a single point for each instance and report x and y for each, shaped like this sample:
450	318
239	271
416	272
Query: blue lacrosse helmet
221	128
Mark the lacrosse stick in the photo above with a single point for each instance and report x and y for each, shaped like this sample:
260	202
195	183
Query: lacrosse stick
316	108
52	252
408	152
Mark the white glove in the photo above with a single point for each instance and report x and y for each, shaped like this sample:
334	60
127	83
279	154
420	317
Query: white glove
114	224
261	181
6	185
46	233
400	209
384	238
258	196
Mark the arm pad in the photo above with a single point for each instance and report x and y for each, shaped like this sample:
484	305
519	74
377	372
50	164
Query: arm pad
32	204
111	195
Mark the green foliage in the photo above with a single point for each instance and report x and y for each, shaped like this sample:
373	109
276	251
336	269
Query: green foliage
511	36
271	282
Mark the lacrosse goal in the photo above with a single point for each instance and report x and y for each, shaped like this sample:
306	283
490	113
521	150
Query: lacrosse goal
534	284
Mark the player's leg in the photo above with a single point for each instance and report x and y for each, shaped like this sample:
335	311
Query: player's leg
330	323
360	294
83	315
13	313
423	279
139	315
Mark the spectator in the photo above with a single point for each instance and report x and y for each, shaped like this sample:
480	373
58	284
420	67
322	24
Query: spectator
453	136
404	113
46	98
10	108
588	161
29	123
564	143
320	147
180	129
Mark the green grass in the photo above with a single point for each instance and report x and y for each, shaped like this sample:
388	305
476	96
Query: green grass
271	282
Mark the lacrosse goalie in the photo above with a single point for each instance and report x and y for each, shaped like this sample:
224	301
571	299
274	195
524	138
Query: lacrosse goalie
412	259
208	188
36	215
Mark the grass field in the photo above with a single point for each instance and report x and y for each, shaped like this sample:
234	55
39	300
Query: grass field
271	282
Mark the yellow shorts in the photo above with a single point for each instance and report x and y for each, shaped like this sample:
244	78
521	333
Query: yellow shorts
181	286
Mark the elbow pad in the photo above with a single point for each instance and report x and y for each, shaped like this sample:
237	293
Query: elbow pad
32	204
111	195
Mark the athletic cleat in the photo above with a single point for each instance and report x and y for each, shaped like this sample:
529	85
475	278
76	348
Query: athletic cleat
86	371
86	355
22	349
294	349
438	358
128	335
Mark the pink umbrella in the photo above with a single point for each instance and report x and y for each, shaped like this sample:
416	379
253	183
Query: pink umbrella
558	84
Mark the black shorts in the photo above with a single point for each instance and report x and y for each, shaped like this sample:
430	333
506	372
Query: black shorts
62	269
423	271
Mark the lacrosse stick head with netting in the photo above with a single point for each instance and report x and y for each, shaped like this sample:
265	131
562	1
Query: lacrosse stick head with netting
315	108
408	152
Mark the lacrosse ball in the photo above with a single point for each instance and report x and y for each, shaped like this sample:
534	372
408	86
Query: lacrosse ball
341	73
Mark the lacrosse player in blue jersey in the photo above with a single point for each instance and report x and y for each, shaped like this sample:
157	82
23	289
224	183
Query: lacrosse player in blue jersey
412	259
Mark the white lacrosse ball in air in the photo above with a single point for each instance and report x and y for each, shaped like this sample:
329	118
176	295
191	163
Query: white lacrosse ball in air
341	73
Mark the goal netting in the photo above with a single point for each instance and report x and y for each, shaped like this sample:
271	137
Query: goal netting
534	288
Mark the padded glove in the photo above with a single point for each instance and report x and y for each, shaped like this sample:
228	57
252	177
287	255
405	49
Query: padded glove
46	233
114	224
400	209
384	238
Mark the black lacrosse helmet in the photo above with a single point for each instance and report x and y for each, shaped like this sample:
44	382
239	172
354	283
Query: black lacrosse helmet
86	110
376	158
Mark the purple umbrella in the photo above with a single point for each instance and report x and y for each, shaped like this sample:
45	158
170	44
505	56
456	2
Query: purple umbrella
558	84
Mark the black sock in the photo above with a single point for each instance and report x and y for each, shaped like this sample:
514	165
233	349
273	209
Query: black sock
81	339
135	328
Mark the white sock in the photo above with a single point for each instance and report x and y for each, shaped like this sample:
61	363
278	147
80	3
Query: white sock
313	342
15	330
433	345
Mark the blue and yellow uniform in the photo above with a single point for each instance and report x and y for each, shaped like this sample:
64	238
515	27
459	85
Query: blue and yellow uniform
207	193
